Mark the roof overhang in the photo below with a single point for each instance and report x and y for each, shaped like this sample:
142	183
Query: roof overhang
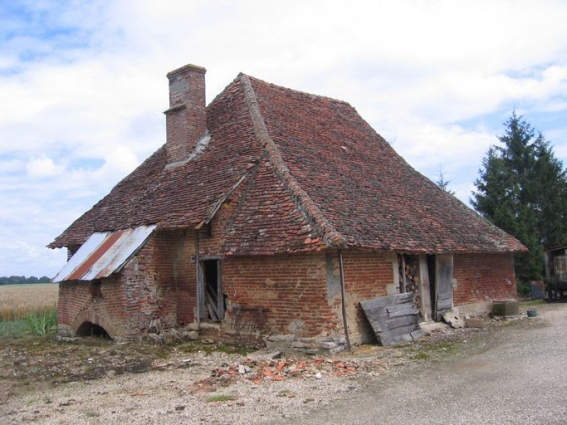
103	254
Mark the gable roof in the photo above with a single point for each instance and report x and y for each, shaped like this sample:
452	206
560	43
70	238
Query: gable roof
313	174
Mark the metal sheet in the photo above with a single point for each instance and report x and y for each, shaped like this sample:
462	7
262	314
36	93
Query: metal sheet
103	254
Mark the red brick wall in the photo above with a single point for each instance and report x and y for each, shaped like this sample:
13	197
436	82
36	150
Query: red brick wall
366	276
483	277
291	287
77	305
149	282
300	291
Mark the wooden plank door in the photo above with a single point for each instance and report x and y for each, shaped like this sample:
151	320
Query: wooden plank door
424	289
443	285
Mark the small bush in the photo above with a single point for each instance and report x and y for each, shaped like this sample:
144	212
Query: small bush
42	323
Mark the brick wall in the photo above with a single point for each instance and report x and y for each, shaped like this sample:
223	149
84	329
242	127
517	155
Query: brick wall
77	305
301	292
366	276
150	285
483	277
291	287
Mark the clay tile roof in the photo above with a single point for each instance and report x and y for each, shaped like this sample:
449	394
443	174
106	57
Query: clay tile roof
314	174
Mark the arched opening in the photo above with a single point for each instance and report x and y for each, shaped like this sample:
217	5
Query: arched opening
92	329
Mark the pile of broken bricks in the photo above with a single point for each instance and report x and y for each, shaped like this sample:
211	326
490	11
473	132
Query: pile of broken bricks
263	371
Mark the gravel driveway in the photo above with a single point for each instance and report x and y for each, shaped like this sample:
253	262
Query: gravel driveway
509	372
517	377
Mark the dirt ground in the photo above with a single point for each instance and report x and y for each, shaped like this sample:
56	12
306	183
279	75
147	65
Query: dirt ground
96	381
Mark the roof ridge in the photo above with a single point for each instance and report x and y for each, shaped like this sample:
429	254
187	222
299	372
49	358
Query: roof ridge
304	93
330	235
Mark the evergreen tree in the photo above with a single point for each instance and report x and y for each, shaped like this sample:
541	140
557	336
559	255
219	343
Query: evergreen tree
522	189
442	183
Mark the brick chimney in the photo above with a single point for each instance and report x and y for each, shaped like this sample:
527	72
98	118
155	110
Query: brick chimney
186	118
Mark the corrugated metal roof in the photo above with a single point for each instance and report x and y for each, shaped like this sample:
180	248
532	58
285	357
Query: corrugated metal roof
103	254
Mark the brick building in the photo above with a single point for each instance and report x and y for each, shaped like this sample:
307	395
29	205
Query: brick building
271	211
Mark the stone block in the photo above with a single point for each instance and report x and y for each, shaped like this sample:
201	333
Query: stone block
474	322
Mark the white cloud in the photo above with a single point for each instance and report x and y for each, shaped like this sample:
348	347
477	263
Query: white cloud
43	167
120	161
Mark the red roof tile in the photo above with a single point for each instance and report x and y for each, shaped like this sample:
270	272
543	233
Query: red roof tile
316	174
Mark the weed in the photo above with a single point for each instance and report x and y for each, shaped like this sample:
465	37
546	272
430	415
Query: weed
420	356
42	323
91	414
221	397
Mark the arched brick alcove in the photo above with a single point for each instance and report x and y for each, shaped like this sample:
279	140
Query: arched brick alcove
89	321
92	329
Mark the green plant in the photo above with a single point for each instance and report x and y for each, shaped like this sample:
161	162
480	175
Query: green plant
42	323
420	356
12	329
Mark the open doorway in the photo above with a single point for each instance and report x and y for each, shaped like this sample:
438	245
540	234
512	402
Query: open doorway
214	303
431	275
430	279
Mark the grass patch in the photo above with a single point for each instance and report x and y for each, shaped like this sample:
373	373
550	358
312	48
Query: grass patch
531	303
421	355
221	397
13	329
225	348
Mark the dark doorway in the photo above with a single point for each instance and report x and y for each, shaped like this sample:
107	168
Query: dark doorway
91	329
212	285
431	272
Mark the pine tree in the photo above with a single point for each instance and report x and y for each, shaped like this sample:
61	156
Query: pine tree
442	183
522	188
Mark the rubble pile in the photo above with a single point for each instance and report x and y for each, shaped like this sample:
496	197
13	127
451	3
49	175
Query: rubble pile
263	371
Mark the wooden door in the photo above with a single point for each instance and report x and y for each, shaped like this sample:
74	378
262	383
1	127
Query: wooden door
443	285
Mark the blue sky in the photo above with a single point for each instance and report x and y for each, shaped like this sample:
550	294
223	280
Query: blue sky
83	87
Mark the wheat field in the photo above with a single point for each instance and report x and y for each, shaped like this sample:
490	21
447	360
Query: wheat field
17	301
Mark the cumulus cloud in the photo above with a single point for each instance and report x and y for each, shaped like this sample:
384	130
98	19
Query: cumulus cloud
43	167
85	88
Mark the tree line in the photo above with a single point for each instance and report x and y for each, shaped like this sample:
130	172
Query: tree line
15	280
